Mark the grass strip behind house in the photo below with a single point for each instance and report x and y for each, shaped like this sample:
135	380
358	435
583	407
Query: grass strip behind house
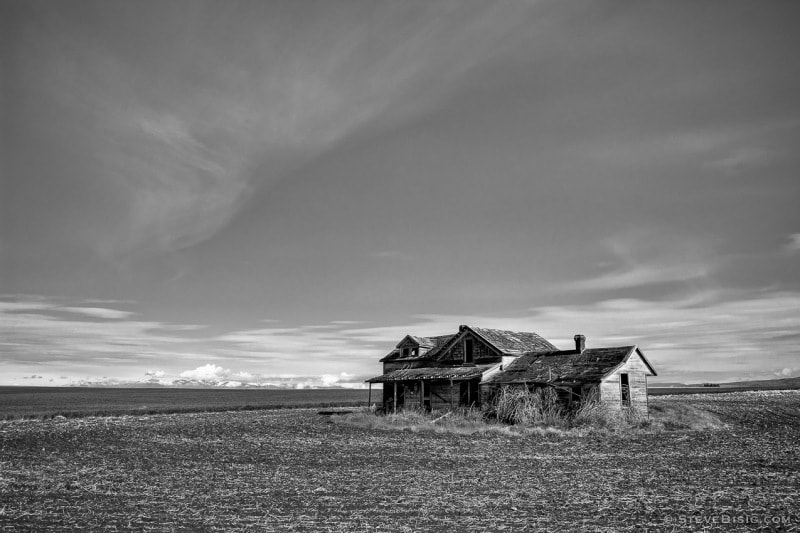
516	412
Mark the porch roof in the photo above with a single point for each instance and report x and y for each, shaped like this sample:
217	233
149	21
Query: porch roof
456	373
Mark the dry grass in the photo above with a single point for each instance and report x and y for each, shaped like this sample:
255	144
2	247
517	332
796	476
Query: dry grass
680	416
519	412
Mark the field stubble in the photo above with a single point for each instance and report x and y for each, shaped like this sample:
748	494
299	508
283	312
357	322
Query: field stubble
293	470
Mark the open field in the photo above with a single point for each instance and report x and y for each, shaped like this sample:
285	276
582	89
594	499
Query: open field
737	386
46	402
294	470
671	391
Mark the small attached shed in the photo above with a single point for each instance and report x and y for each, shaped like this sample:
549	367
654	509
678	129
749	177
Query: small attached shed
615	376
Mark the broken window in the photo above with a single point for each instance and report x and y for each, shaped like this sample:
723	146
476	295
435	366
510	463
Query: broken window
468	351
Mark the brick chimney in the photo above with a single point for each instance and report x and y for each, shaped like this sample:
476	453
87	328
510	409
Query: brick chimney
580	343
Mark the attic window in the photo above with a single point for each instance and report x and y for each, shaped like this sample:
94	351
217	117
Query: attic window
405	352
468	351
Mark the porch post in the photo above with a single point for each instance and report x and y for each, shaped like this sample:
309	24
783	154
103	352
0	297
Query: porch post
395	397
421	395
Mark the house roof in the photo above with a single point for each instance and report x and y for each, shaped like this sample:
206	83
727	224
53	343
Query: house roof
564	367
428	347
506	342
456	373
513	342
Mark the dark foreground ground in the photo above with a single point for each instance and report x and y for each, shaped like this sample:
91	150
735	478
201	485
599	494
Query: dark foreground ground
294	470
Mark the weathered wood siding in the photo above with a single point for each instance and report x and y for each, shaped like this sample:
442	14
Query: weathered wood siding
441	397
611	392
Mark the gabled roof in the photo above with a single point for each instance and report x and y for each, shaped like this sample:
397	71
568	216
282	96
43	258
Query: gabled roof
509	342
456	373
565	367
428	348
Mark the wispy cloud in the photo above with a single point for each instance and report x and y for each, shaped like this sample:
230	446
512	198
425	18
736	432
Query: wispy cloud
713	335
184	153
646	257
98	312
741	158
793	246
40	334
45	333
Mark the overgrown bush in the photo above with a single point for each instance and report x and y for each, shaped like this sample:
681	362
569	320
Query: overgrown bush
521	407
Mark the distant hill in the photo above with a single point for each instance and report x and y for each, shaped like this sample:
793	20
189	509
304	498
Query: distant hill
787	383
272	383
761	384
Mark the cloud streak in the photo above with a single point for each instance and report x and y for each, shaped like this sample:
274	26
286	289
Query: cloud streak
710	335
793	246
646	257
183	154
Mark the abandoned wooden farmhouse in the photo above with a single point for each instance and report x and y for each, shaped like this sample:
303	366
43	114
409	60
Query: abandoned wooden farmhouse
469	367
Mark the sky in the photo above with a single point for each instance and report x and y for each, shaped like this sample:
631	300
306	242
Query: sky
250	190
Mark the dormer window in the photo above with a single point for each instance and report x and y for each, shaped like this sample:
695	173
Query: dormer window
406	352
468	351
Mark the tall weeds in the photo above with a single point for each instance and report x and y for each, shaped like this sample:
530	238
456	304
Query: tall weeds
522	407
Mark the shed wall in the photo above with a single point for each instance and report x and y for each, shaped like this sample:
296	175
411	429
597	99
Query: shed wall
610	390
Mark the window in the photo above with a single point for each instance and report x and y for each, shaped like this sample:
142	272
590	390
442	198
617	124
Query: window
405	352
625	390
468	351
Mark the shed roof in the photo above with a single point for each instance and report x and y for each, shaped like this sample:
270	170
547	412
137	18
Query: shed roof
564	367
456	373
